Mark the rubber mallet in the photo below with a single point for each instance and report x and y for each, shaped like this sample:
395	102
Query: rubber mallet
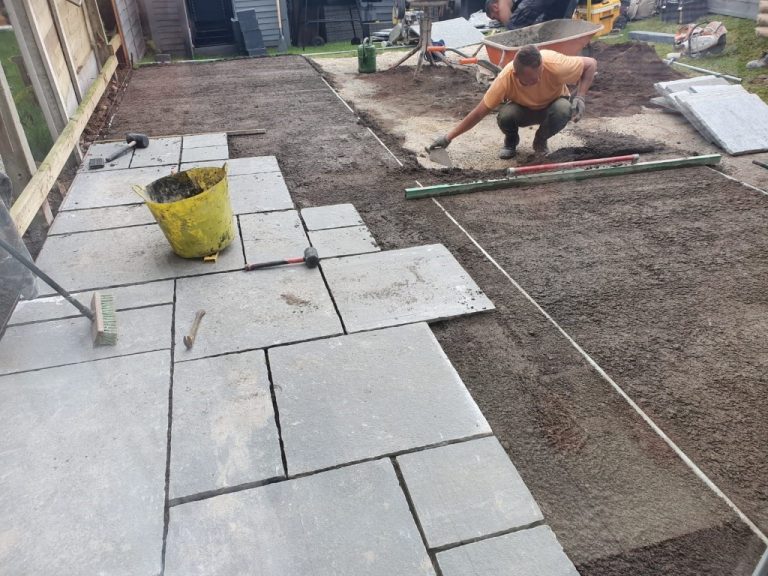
133	140
310	260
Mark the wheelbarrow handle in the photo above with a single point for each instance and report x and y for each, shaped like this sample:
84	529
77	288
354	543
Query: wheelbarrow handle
433	49
468	60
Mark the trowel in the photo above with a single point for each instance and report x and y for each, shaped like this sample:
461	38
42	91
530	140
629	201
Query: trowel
440	156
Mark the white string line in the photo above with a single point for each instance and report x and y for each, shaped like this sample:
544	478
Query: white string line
739	181
655	427
682	455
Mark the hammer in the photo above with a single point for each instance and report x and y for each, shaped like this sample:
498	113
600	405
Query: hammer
310	259
133	140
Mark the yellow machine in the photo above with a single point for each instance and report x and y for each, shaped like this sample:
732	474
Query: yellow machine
604	13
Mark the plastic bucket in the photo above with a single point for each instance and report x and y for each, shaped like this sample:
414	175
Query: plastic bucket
192	209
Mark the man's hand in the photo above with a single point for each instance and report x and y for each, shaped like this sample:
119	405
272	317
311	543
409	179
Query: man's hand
441	142
578	106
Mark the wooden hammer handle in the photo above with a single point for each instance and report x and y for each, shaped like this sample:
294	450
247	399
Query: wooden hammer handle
189	339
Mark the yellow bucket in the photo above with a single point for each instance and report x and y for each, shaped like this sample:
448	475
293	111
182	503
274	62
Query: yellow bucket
192	209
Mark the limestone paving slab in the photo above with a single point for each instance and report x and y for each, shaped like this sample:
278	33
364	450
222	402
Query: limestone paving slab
111	188
204	154
671	86
263	192
354	397
123	256
334	216
345	522
532	552
205	140
104	150
394	287
224	432
53	307
83	458
73	221
239	166
272	236
249	310
467	490
205	164
160	152
69	340
343	241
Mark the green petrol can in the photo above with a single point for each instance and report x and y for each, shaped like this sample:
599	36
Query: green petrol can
366	57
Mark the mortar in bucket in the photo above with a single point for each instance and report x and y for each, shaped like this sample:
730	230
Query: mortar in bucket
193	210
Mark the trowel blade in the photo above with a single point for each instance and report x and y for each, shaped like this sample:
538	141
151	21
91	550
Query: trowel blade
440	156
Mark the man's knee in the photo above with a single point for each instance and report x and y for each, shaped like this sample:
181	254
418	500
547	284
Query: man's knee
558	115
510	117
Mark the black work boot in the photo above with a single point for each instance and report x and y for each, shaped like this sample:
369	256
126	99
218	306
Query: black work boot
509	150
540	143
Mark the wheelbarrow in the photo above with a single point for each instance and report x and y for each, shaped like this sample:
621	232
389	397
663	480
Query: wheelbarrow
464	59
568	37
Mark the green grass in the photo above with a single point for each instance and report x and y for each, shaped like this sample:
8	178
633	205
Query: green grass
742	46
31	115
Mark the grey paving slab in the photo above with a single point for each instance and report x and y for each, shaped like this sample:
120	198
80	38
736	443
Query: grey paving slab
69	341
467	490
224	432
205	164
343	241
100	219
334	216
53	307
272	236
253	165
83	458
355	397
533	552
259	193
249	310
160	152
348	522
205	140
103	150
111	188
738	123
123	256
395	287
203	154
671	86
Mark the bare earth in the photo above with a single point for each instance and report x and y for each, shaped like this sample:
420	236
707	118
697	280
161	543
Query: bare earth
661	278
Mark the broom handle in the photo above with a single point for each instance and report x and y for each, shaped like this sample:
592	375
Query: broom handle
47	279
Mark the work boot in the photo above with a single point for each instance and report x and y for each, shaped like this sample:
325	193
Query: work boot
540	143
509	150
761	62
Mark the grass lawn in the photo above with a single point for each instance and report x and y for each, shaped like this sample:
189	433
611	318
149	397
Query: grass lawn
31	115
742	46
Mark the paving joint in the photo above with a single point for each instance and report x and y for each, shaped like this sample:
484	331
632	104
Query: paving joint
750	186
85	361
76	315
412	507
99	229
277	413
465	542
173	502
166	506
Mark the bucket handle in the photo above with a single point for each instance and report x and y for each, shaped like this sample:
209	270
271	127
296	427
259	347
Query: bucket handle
141	191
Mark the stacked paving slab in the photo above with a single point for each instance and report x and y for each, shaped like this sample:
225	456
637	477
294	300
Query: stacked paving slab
316	426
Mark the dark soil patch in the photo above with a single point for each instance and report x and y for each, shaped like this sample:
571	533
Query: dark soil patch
603	145
619	500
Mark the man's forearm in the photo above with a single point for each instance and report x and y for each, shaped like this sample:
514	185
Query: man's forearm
587	76
470	121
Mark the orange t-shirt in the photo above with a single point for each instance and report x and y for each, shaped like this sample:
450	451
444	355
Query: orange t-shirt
558	71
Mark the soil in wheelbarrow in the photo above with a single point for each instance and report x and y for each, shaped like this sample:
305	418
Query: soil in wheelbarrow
623	86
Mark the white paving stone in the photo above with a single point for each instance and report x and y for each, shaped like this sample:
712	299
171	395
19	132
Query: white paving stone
123	256
224	432
354	397
343	241
349	522
83	455
249	310
104	150
467	490
205	140
334	216
253	165
204	154
100	219
53	307
68	341
111	188
259	193
272	236
534	552
205	164
160	152
395	287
